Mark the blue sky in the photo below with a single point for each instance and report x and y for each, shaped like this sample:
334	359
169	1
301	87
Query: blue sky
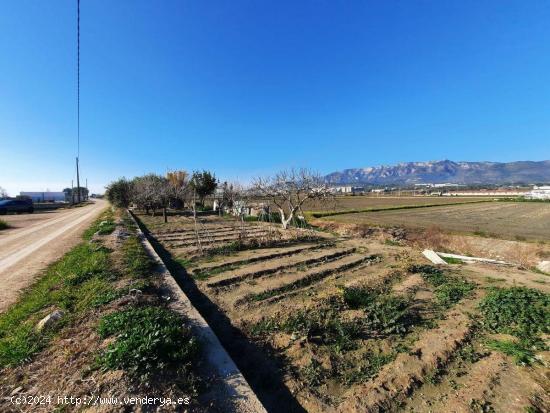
250	87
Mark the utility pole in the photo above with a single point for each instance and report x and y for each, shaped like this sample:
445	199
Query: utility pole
87	189
72	192
77	182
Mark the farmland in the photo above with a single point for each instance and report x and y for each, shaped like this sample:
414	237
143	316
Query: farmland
357	203
321	323
510	220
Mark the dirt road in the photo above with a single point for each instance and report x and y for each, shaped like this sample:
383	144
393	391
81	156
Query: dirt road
35	241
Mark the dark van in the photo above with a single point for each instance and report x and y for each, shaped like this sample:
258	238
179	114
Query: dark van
16	205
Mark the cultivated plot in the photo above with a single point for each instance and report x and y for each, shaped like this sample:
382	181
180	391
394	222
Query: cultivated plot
323	323
512	220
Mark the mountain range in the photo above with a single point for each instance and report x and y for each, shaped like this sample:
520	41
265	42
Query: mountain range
436	172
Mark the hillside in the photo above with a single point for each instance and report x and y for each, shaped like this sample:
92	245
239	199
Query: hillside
446	172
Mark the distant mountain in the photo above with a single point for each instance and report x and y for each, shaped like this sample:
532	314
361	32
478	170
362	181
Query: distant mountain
438	172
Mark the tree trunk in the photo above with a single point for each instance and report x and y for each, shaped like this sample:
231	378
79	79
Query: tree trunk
285	221
164	215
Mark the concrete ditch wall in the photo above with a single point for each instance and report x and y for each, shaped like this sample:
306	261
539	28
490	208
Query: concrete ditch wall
228	388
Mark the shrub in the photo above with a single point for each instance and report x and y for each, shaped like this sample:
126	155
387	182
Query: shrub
148	339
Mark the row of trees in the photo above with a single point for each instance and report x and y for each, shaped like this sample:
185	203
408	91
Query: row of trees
152	192
286	191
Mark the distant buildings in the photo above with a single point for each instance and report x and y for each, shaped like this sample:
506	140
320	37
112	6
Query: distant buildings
44	196
539	192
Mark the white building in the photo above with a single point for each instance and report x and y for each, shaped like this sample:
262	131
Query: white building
45	196
342	189
539	192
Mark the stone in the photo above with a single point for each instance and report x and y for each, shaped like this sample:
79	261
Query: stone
544	266
16	390
49	320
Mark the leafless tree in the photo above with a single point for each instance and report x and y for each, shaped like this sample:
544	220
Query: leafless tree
3	193
289	190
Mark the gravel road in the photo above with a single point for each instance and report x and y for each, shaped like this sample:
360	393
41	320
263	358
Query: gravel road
35	241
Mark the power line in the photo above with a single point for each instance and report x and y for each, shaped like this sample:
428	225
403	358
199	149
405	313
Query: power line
78	97
78	78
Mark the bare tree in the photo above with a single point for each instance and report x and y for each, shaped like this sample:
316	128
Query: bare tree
3	193
289	190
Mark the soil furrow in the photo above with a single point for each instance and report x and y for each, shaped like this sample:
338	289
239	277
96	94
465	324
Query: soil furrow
318	260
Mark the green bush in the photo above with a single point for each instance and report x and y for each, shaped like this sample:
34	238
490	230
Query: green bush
148	340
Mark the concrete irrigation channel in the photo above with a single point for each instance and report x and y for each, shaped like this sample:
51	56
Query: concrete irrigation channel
227	384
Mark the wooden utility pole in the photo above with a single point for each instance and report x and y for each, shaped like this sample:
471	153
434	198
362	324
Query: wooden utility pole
77	182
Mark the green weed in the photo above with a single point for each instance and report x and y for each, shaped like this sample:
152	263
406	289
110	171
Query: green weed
137	261
520	311
148	341
452	260
359	371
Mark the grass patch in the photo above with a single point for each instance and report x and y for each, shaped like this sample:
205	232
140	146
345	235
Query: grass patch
149	340
522	351
104	225
452	260
71	284
137	261
4	225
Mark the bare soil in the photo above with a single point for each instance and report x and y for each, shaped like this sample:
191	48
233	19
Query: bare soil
237	290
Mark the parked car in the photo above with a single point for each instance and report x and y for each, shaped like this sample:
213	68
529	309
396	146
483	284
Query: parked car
16	205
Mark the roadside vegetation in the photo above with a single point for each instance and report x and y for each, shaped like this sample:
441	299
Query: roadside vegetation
106	288
3	225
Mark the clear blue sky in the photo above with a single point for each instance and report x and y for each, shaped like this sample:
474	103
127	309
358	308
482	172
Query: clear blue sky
249	87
